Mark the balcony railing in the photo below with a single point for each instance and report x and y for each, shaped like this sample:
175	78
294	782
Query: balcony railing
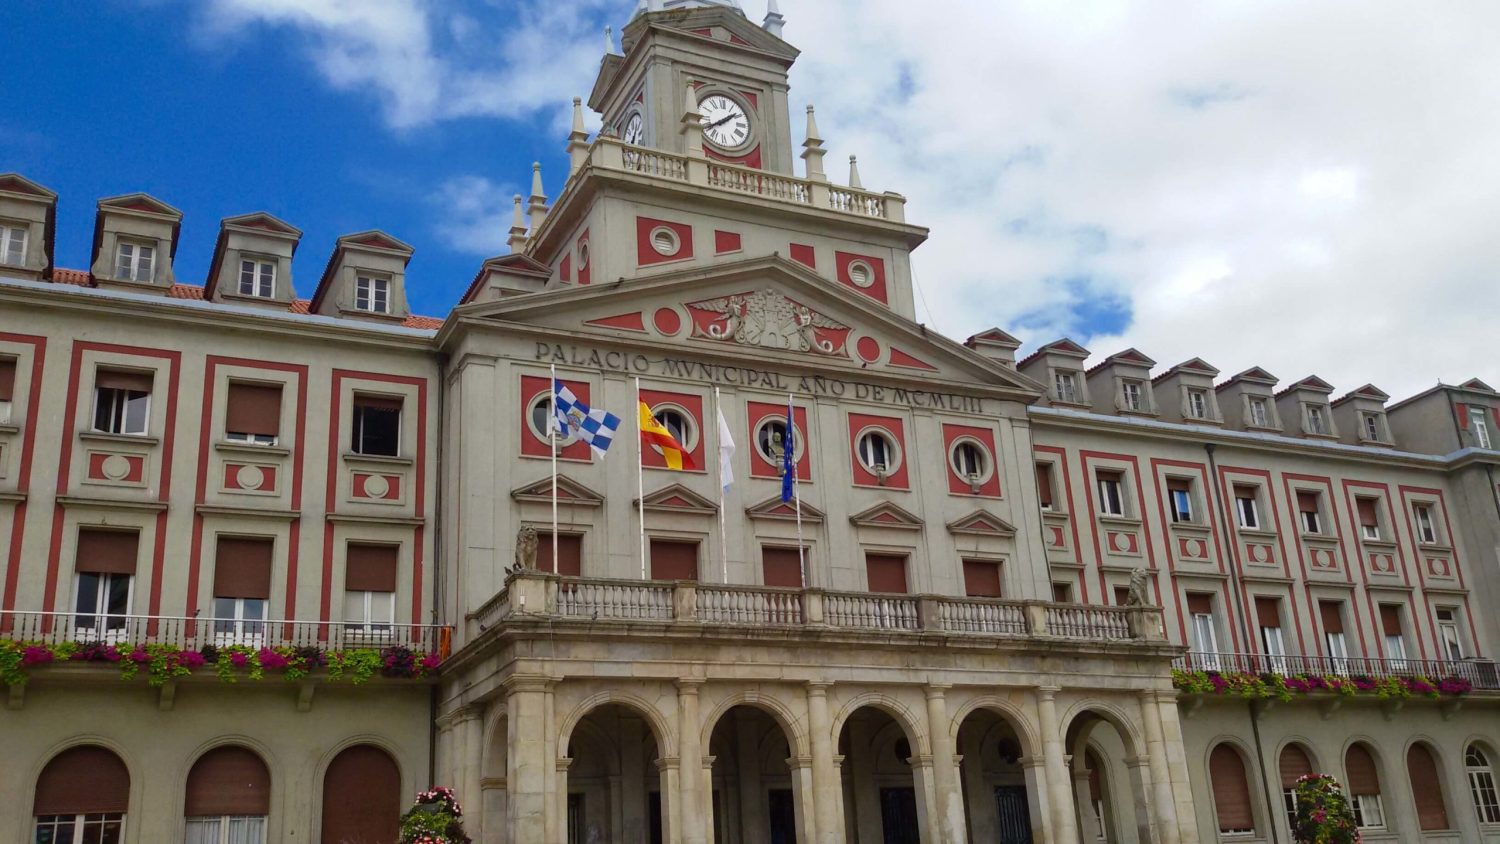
195	633
1479	672
536	595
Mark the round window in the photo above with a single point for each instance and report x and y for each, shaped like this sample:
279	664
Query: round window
538	417
770	440
970	460
878	452
679	423
861	274
583	254
665	241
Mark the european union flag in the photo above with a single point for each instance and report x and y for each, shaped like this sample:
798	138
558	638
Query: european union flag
788	457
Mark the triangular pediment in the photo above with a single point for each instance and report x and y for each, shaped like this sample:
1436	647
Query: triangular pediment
1368	391
1253	375
139	202
264	222
981	523
375	239
775	508
1311	383
887	515
1195	366
569	492
1133	357
1477	386
993	337
735	28
764	313
16	183
677	498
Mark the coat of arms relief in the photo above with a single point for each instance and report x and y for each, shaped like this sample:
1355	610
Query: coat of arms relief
768	319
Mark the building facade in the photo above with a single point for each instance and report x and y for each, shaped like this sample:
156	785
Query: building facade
338	556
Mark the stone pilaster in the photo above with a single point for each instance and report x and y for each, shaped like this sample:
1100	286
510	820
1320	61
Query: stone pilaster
948	814
689	750
529	768
825	777
1163	809
1059	784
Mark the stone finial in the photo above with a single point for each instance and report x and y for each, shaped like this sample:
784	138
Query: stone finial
854	181
578	114
537	206
578	139
609	40
517	239
774	21
692	121
812	149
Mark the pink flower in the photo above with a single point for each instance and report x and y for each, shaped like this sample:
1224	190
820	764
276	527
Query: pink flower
139	655
190	659
238	659
272	659
431	661
35	655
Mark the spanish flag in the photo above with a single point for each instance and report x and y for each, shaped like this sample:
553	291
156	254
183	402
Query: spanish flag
653	433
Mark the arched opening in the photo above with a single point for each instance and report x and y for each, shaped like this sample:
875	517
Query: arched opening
1109	790
82	795
361	797
1481	775
881	795
1426	788
228	797
1364	787
1293	764
1231	789
1000	790
754	789
494	797
614	786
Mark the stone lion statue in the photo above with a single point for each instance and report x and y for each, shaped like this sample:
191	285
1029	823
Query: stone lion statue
526	548
1140	581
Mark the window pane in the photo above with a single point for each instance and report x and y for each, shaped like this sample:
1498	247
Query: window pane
378	431
117	594
136	405
354	607
203	830
382	607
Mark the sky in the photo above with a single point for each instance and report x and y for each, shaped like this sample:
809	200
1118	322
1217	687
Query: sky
1311	188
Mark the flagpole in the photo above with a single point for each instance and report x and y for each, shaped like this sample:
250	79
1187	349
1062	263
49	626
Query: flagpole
796	491
640	472
723	541
552	440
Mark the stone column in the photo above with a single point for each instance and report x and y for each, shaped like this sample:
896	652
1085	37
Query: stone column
802	790
1059	784
473	760
825	776
1088	823
948	819
1038	802
1163	810
1177	767
690	756
529	768
557	826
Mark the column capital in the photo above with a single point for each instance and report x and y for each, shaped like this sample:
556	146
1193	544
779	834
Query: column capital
920	760
936	690
688	685
797	763
666	763
492	784
527	683
818	688
1047	692
564	762
1032	762
1137	761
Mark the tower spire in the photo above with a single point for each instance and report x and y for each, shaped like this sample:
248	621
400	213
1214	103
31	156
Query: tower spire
774	21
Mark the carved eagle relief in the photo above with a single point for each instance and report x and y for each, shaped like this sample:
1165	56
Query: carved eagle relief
768	319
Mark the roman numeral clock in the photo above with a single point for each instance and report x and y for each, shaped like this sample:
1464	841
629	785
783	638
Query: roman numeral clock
726	122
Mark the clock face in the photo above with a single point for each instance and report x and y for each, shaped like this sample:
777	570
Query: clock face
635	129
725	123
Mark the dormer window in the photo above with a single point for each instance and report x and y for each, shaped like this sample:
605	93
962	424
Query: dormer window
1198	404
1067	386
1371	424
1481	428
1317	420
135	261
1260	415
13	246
257	278
373	295
1130	392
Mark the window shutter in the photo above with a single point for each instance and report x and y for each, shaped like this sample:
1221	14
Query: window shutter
242	568
362	796
1427	788
886	573
228	781
1294	765
253	409
119	379
106	551
1044	483
1307	502
1367	512
781	567
1268	612
1179	485
674	560
82	780
1333	620
379	402
981	579
1390	619
7	378
1231	790
1242	491
1360	767
569	553
1200	603
370	568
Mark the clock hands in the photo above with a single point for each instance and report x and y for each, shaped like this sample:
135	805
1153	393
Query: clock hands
721	121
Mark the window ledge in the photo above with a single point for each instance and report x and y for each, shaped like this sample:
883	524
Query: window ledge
1054	513
1123	521
1188	527
1322	538
1381	544
352	457
133	439
1255	533
7	428
248	448
1434	546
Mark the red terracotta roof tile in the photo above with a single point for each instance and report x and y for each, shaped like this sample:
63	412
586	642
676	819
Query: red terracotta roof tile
423	322
301	306
185	291
76	277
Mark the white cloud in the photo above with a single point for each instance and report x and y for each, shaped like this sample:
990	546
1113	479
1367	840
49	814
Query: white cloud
475	214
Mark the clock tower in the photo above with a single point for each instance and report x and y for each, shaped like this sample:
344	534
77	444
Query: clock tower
737	70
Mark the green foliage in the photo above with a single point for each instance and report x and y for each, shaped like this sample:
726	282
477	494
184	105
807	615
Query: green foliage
435	818
1270	685
1323	812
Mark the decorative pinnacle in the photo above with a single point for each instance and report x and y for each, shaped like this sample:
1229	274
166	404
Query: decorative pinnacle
517	220
578	116
814	137
536	183
609	40
773	22
854	181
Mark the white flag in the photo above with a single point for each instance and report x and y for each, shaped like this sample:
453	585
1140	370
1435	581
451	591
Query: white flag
726	453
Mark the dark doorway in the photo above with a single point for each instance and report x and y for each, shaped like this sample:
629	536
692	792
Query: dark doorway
898	815
576	823
1015	814
653	820
783	816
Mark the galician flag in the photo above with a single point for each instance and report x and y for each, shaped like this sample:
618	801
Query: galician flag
726	453
595	427
789	457
653	433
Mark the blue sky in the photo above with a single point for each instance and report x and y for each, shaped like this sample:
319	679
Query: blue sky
219	125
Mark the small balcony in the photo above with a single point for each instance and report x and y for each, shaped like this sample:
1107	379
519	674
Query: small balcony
1479	674
195	633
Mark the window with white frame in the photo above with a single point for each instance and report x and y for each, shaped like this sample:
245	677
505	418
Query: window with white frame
122	402
1368	813
227	829
1111	486
368	611
878	452
1371	422
1260	414
1332	613
7	387
1363	779
970	461
13	245
372	294
66	829
1309	511
257	278
678	423
1246	513
135	261
1317	420
101	603
1449	637
1482	784
1066	384
370	573
1426	525
1133	395
1393	634
1268	617
1481	427
1180	492
377	426
1205	636
1369	518
1197	404
770	441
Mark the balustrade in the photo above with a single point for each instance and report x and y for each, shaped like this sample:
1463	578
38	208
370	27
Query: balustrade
1481	673
194	633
